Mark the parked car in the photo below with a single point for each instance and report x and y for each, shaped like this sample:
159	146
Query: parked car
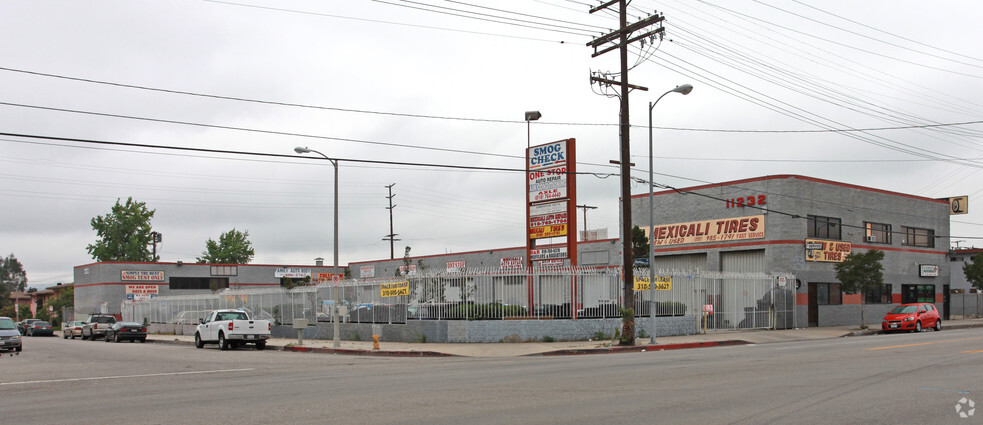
40	328
72	329
121	331
232	328
24	324
912	317
9	335
96	325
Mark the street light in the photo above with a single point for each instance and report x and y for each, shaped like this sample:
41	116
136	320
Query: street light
531	116
684	89
337	298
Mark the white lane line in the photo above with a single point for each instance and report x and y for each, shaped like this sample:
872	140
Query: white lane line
148	375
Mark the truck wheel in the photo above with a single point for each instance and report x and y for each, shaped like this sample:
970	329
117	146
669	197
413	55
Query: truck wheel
223	344
198	342
261	345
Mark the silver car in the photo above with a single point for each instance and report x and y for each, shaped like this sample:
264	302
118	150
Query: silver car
9	335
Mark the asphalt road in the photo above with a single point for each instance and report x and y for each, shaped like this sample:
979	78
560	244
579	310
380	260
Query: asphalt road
883	379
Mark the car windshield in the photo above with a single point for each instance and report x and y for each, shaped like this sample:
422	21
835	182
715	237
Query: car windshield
7	324
902	309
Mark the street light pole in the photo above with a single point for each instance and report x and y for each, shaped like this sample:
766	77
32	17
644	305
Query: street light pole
684	89
337	297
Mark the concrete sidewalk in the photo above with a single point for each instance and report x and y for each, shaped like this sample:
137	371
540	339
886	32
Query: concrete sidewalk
709	339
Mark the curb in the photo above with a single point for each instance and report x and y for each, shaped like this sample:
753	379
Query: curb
355	352
642	348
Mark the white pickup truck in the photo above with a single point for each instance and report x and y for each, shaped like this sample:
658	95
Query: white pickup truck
231	328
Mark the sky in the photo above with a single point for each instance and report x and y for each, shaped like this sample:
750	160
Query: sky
884	94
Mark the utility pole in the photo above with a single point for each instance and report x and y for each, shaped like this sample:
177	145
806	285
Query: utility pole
620	40
156	238
391	237
585	208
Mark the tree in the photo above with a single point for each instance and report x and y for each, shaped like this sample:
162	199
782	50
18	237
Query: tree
66	298
974	271
860	273
233	247
12	275
639	243
124	233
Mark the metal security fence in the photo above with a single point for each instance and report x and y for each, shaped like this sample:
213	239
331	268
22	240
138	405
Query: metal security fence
736	300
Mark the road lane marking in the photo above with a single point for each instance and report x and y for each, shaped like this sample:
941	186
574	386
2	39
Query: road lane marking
147	375
971	352
922	343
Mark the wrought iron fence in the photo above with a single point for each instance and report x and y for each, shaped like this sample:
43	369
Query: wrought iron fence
737	300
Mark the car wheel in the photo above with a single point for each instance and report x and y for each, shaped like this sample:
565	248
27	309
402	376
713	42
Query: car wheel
18	349
143	340
73	335
261	345
918	326
938	325
107	337
64	335
223	344
198	342
117	338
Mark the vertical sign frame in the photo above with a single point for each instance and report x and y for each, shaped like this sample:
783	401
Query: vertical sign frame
543	161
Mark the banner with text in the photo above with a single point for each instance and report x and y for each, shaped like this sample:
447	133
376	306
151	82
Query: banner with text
662	283
142	275
394	289
827	251
722	230
548	220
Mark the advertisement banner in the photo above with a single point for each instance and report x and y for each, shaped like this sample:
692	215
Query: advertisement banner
394	289
928	270
404	270
324	277
722	230
455	266
142	275
548	220
366	271
547	254
827	251
548	184
141	292
662	283
512	263
291	272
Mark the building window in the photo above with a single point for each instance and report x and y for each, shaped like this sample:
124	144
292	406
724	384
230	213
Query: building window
917	294
225	270
824	227
919	237
879	295
828	294
877	232
213	283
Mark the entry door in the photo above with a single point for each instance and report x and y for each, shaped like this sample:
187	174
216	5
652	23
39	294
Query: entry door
945	302
813	306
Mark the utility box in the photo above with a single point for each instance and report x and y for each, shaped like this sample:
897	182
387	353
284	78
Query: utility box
300	323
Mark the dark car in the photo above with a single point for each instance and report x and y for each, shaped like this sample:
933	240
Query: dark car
132	331
24	324
9	335
912	317
40	328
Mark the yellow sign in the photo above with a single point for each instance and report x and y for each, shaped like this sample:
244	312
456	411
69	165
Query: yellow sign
662	283
827	251
548	231
394	289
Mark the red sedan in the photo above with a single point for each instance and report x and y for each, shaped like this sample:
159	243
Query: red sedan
912	317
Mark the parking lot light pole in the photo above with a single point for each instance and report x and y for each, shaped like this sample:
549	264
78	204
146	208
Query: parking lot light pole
684	89
337	297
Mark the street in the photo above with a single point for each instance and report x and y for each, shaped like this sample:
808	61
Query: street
889	379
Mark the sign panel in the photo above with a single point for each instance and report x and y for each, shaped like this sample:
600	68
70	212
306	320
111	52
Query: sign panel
827	251
928	270
394	289
366	271
723	230
548	220
547	254
548	184
662	283
292	272
455	266
959	205
324	277
141	292
549	264
403	270
512	263
548	155
142	275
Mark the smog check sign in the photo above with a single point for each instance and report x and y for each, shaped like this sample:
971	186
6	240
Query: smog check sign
548	155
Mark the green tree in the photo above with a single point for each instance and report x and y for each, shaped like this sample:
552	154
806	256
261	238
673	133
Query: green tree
860	273
124	233
66	298
974	271
233	247
639	243
12	275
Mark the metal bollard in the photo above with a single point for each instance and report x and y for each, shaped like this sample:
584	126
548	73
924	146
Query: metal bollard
375	342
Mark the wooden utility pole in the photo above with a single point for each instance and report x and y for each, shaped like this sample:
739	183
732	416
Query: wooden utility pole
391	237
585	208
620	39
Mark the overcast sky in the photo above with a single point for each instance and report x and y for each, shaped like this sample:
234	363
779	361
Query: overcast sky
885	94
